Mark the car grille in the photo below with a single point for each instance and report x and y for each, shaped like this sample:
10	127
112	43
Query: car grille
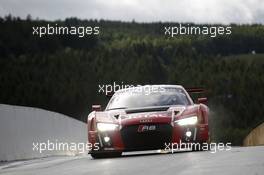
147	140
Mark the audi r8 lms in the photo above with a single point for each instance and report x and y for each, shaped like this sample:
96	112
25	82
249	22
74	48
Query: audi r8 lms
147	118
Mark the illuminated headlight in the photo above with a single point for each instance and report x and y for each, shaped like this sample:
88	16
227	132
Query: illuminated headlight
188	133
106	139
106	126
187	121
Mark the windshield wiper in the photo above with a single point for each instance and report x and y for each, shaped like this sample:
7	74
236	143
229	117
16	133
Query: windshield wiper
117	108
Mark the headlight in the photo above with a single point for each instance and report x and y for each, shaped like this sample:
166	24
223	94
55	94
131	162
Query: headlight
106	126
187	121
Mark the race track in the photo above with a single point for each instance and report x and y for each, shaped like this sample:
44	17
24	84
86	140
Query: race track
239	160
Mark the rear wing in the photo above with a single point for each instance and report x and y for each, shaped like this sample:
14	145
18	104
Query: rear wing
194	93
196	90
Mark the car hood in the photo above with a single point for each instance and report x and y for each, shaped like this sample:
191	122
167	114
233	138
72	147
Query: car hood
160	114
146	117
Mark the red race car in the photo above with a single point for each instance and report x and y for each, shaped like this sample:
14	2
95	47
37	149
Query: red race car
147	117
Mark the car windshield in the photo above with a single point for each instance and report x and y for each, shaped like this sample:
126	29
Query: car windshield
142	98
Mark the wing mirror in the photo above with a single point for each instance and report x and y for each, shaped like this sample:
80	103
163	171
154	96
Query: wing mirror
109	94
96	108
202	100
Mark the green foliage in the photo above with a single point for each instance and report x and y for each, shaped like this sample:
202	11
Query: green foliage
62	73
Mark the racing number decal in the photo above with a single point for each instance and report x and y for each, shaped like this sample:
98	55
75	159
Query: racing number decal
144	128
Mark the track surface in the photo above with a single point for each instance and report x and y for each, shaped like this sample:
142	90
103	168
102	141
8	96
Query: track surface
239	160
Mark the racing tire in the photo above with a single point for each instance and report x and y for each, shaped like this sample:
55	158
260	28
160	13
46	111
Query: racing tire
106	155
199	148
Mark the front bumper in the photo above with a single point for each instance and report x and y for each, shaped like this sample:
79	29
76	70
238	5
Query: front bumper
129	139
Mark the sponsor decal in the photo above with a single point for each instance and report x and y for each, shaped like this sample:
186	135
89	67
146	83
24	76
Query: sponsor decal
145	128
152	115
145	120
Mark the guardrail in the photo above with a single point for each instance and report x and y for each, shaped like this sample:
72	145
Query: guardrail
255	137
20	127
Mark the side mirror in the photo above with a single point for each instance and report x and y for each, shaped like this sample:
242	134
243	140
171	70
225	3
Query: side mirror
202	100
109	94
96	108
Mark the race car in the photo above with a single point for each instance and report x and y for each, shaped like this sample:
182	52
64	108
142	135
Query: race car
149	117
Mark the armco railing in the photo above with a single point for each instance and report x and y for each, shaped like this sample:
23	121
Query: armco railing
20	127
255	137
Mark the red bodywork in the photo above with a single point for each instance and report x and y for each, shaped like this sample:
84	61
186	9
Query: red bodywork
143	121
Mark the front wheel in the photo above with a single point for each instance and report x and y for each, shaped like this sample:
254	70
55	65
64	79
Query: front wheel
202	146
106	155
197	146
